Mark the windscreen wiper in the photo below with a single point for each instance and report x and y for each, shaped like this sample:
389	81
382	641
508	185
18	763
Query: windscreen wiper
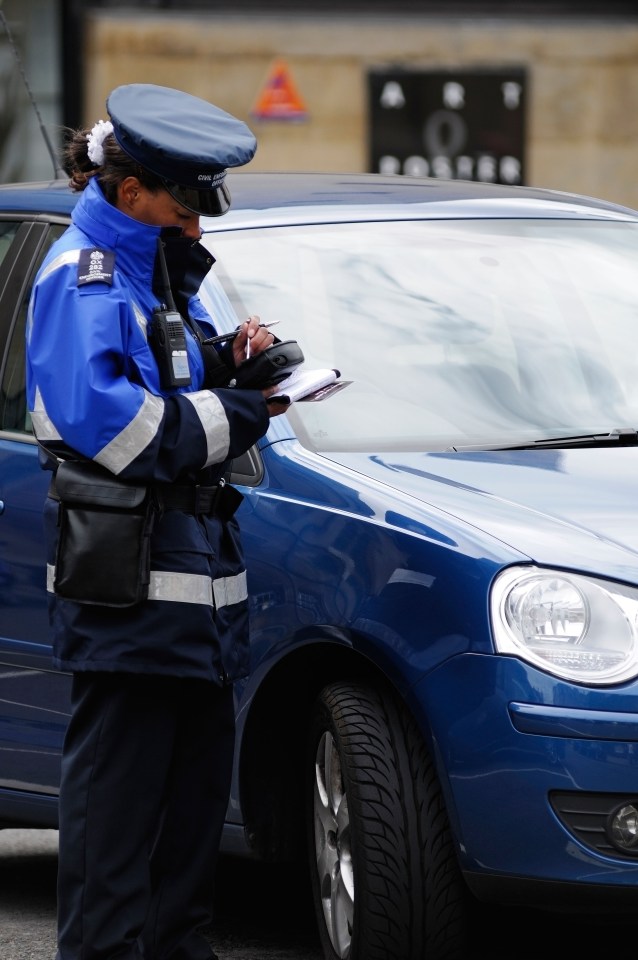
621	437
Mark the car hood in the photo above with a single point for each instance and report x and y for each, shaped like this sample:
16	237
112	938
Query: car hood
573	508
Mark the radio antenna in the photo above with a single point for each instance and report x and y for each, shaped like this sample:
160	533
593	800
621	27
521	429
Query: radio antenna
56	166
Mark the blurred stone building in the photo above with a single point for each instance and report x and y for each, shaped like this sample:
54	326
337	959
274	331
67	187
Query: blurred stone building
544	93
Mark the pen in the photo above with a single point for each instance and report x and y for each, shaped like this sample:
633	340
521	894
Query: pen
223	337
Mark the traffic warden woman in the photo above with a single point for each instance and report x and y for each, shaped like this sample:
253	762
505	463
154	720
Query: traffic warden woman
148	753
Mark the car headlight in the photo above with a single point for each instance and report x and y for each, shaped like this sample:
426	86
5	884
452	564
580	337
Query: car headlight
580	628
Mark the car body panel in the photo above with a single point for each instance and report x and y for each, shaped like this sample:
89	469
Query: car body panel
545	503
483	748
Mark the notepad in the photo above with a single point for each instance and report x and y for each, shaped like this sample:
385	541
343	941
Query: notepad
310	384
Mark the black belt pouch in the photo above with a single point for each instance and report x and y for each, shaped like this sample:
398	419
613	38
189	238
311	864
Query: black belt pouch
103	554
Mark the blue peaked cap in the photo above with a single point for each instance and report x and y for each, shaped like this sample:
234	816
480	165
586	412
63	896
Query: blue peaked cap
186	141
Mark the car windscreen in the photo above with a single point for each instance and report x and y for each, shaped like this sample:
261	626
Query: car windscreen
449	332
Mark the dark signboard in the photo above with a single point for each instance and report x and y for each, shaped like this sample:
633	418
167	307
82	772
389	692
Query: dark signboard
452	124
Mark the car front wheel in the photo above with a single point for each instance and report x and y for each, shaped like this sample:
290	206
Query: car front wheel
384	875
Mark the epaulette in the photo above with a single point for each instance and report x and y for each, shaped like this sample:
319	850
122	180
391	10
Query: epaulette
95	266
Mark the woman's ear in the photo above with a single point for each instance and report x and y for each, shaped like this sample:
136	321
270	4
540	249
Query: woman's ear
128	192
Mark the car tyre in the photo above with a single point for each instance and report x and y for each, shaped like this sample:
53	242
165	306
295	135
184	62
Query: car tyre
384	875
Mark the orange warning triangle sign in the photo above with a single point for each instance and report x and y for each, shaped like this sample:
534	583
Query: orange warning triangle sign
279	99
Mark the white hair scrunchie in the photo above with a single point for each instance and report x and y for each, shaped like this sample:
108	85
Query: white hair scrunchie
95	139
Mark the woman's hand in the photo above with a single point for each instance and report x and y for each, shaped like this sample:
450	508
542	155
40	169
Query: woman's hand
279	404
251	339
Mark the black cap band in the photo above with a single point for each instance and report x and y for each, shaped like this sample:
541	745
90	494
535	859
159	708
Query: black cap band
212	202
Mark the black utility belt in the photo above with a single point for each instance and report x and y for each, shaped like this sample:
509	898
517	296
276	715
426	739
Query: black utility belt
220	500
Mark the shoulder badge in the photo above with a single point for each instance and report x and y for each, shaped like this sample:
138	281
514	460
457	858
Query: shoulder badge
95	266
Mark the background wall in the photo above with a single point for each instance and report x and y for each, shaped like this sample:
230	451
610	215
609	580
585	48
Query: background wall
582	115
581	69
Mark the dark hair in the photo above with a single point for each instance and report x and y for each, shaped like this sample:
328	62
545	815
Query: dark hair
117	165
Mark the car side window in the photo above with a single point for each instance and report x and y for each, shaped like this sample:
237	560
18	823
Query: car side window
14	414
8	230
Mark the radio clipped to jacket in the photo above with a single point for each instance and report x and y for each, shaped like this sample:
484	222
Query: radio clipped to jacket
167	338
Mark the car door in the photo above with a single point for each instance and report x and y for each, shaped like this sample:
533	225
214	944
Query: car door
33	697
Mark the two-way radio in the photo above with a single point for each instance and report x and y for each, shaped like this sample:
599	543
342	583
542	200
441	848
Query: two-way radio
167	336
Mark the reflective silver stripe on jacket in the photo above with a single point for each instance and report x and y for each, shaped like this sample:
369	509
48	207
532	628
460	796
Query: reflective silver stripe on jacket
230	590
180	587
135	437
123	448
140	319
70	256
187	588
43	427
212	415
62	260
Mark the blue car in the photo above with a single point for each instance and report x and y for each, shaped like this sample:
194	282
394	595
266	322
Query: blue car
442	553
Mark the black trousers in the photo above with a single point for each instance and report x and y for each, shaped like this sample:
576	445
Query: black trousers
146	774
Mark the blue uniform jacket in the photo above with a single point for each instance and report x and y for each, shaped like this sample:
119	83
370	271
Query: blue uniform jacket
93	388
